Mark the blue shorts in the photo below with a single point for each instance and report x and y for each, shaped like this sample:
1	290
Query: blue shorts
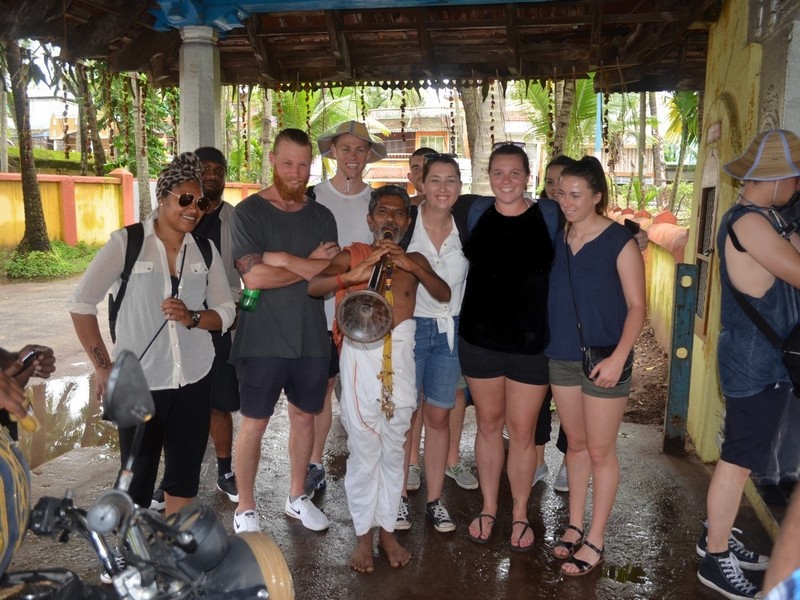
261	380
751	424
438	369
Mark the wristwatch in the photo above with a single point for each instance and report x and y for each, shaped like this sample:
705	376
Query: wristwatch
195	320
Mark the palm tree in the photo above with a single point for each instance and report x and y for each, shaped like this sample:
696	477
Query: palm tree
683	126
483	110
21	72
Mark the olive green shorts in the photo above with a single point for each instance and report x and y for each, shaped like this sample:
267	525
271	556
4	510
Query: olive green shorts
570	373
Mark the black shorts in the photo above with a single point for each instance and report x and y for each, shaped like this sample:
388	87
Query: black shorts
261	380
180	427
482	363
751	424
224	383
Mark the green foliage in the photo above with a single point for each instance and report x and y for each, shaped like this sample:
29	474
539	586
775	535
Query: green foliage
50	160
62	261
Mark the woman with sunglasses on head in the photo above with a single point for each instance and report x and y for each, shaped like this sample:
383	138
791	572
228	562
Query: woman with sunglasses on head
173	299
597	299
503	333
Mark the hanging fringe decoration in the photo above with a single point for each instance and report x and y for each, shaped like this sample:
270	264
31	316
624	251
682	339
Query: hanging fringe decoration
491	115
403	115
308	113
363	103
452	123
606	100
551	116
279	105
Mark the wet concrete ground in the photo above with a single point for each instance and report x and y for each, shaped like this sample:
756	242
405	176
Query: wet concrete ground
649	546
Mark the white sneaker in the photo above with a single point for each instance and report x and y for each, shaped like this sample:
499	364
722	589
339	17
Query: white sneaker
561	483
246	521
310	516
414	480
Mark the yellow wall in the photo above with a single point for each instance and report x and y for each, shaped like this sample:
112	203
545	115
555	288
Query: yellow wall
98	211
12	212
731	99
660	293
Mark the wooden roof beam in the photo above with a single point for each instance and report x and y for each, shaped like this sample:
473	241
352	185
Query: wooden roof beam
512	37
267	65
424	41
338	42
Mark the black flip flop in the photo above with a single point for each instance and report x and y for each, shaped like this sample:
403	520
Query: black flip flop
478	539
519	548
570	547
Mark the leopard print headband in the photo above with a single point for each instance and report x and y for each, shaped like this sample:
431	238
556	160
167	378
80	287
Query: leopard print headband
184	167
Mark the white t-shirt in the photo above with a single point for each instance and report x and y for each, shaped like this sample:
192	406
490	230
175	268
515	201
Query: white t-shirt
350	212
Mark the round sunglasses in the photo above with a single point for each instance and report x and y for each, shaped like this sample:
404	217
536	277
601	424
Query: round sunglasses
186	199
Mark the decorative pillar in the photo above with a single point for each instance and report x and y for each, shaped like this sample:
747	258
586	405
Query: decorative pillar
201	120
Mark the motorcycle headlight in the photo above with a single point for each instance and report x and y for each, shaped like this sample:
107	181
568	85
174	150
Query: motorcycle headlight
209	535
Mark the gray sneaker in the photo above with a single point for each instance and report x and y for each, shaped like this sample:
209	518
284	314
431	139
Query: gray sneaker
414	478
462	477
561	482
315	480
403	523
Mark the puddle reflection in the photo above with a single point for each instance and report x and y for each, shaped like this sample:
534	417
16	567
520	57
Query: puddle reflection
69	413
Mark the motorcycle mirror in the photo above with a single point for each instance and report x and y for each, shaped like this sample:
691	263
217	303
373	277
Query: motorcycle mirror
127	401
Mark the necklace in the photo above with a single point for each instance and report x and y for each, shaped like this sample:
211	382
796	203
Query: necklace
165	241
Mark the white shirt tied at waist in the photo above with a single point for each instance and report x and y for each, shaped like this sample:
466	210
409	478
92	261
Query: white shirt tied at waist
449	264
178	356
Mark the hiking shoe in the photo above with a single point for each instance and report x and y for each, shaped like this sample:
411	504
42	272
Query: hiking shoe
413	482
403	523
157	502
246	521
440	517
227	485
747	558
309	515
541	473
462	476
561	483
723	574
315	480
119	560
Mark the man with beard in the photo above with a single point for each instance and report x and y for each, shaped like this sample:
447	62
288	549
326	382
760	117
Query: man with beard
347	195
379	378
215	225
281	240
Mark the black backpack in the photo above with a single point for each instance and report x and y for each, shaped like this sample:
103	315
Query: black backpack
132	250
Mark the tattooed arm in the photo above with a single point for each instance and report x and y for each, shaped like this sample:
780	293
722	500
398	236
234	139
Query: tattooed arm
88	330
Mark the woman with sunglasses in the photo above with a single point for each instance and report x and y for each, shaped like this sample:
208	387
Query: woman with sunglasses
173	299
503	333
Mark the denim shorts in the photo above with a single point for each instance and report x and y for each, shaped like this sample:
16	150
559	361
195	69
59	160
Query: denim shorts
570	373
438	369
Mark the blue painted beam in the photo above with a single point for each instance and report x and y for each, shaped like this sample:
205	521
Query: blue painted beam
680	358
224	15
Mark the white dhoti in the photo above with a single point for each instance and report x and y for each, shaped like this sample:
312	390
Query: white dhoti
374	477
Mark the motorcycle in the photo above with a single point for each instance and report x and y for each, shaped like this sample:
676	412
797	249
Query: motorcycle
187	555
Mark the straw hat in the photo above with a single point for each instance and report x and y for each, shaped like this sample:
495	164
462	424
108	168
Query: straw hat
377	149
772	155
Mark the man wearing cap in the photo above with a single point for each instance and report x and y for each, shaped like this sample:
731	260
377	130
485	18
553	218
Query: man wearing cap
764	267
280	240
347	196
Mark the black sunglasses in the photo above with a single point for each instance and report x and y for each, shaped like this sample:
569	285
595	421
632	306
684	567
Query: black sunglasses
186	199
497	145
432	155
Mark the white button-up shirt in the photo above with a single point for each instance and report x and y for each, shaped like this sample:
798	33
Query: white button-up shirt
450	264
178	356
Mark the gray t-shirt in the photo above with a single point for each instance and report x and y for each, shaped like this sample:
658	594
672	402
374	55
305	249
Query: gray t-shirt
287	322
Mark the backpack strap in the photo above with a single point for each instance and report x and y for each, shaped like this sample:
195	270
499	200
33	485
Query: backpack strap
135	234
479	206
204	244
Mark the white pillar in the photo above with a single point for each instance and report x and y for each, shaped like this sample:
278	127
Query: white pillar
201	122
791	106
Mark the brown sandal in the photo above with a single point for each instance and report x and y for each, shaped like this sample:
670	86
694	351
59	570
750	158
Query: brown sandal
570	547
478	539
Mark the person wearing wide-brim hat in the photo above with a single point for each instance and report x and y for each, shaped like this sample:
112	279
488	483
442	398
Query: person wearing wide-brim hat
763	266
347	196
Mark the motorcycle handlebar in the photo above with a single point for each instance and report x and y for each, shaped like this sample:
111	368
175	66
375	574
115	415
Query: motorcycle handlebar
111	509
